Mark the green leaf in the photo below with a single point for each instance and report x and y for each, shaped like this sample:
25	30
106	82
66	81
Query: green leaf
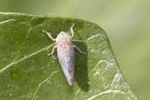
27	73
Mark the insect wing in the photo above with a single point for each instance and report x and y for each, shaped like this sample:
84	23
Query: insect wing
66	60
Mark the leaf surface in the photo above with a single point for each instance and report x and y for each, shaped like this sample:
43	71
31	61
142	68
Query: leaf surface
27	73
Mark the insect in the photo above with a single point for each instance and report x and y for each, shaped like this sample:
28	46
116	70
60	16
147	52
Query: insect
65	52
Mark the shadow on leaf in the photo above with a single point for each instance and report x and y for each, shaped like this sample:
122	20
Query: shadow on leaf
81	70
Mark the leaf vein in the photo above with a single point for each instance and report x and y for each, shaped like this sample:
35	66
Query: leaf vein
92	37
106	92
6	21
34	97
24	58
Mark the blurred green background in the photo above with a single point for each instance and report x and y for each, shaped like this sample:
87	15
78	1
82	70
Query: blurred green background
127	23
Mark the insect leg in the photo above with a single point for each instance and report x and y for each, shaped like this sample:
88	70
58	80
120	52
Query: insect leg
79	49
49	35
71	30
53	50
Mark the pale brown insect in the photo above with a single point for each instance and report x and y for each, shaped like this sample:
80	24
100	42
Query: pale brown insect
65	53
